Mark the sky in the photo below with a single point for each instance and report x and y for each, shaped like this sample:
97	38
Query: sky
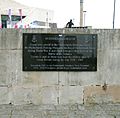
99	13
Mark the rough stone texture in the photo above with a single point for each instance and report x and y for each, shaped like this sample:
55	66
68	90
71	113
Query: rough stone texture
35	95
4	95
102	94
60	94
60	111
71	95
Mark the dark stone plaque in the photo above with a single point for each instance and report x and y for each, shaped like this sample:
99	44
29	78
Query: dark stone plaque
59	52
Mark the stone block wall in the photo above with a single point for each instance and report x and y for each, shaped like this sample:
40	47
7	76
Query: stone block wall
60	94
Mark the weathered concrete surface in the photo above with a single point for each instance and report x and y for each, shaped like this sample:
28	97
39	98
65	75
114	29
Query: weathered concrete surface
60	111
60	94
102	94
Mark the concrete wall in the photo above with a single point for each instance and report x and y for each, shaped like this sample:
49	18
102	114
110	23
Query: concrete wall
60	94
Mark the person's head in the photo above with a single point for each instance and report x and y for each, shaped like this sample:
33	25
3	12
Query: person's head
70	20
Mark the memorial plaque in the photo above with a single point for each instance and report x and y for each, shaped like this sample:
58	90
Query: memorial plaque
59	52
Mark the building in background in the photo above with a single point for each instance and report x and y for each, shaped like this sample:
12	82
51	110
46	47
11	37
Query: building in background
16	15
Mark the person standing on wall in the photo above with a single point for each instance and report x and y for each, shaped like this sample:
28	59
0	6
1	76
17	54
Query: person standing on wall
69	24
